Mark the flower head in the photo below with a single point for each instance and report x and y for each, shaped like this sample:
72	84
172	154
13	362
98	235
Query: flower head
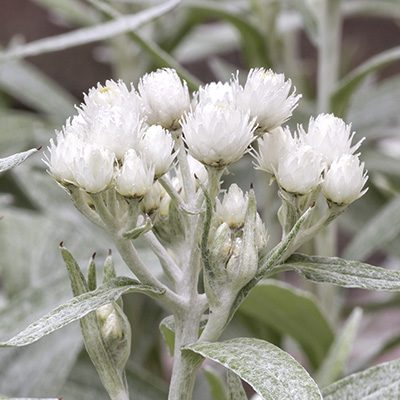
165	97
135	178
271	147
232	210
218	134
93	168
267	96
329	136
157	148
345	179
299	170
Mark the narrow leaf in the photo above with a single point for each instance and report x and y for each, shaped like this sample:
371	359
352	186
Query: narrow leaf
340	272
380	229
77	308
334	364
35	89
349	83
14	160
216	383
254	48
273	373
235	387
91	34
376	383
292	312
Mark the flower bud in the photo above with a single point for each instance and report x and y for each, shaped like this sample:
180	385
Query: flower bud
157	148
134	178
116	332
165	97
345	179
232	210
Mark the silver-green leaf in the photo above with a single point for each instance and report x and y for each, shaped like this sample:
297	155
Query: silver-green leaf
376	383
77	308
14	160
273	373
345	273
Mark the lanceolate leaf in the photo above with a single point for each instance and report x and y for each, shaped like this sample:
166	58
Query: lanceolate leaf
292	312
376	383
254	46
349	83
340	272
273	373
334	364
90	34
380	229
15	159
216	383
77	308
235	387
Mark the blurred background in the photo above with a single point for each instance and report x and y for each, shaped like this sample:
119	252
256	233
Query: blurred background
205	41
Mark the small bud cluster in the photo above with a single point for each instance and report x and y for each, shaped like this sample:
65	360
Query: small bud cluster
321	157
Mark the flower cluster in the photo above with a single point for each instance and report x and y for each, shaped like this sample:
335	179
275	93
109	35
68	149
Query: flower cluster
110	142
321	157
126	139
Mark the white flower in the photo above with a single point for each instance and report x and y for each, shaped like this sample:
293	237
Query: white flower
157	148
271	147
299	170
112	116
61	155
329	136
93	168
216	134
345	179
217	92
266	95
135	178
233	208
165	97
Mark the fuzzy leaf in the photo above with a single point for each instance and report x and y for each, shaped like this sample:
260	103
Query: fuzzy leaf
380	229
14	160
376	383
349	83
293	312
335	362
90	34
77	308
340	272
216	383
273	373
235	387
